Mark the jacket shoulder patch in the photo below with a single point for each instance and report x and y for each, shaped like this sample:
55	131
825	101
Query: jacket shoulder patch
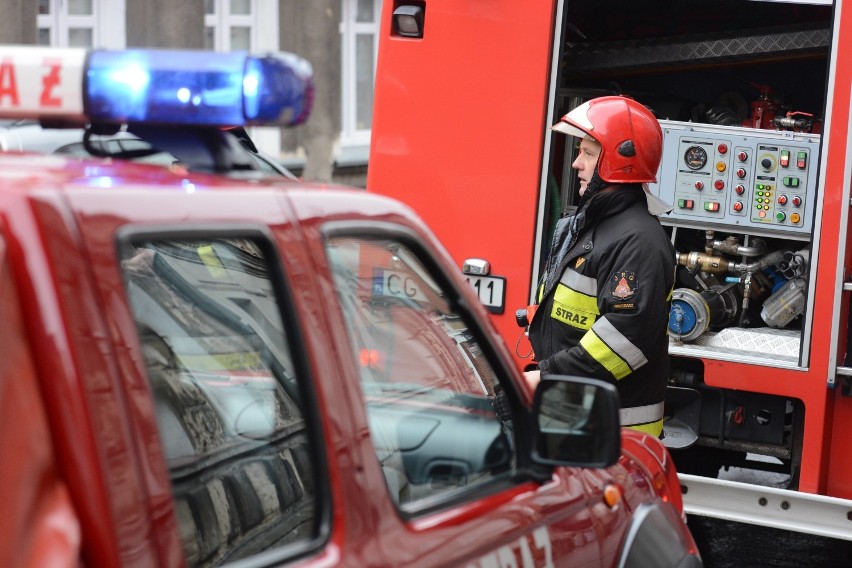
623	285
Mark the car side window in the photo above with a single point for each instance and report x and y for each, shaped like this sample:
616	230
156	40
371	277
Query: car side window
231	413
438	419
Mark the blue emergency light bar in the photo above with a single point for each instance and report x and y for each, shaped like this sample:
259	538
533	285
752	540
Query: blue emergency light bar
156	86
180	87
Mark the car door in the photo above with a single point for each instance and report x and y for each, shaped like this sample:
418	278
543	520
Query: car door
444	418
219	383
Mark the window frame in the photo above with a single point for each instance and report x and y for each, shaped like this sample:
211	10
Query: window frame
503	368
296	343
107	23
263	23
350	29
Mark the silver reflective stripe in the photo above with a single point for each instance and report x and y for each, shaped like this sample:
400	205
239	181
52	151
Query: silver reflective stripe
641	414
580	283
619	344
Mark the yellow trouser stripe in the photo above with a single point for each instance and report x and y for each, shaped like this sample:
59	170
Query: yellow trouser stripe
641	414
653	428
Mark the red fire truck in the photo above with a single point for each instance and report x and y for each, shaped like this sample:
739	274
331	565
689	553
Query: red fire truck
754	101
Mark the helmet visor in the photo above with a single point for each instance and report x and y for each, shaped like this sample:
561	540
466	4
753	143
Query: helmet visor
569	129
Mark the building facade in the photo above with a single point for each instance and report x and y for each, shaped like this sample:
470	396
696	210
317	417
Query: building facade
338	37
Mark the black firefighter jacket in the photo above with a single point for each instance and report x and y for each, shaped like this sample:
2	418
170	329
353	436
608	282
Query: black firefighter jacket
604	305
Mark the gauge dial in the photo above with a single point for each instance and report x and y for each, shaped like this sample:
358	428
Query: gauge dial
695	157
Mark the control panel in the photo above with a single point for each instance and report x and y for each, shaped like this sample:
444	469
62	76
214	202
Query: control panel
745	177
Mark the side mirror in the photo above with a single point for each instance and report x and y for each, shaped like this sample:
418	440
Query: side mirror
576	422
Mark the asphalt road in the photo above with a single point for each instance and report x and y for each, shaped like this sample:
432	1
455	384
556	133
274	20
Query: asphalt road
724	544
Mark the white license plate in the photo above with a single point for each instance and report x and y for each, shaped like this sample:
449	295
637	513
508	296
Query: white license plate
491	290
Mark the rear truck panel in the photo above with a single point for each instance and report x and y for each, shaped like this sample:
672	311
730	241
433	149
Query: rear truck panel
462	142
754	100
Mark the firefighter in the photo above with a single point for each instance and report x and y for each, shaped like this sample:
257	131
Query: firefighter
604	297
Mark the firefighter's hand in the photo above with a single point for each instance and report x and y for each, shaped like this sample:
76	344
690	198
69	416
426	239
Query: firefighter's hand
532	378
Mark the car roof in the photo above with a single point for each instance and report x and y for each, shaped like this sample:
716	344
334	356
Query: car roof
31	175
32	136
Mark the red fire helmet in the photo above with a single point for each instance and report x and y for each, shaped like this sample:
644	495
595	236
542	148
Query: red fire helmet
630	137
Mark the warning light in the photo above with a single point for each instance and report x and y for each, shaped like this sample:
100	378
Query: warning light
160	86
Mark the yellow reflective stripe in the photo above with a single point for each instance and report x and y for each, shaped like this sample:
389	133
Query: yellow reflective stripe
619	344
574	308
601	353
654	428
580	283
211	261
245	361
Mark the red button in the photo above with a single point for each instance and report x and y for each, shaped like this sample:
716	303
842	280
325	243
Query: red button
741	173
723	148
720	185
699	185
738	206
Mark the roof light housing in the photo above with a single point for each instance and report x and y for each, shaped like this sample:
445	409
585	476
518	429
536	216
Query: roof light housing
180	87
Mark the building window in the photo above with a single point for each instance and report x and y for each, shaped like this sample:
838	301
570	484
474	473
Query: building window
81	23
245	25
67	24
231	25
359	30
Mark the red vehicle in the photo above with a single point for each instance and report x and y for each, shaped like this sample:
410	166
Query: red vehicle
754	101
198	369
